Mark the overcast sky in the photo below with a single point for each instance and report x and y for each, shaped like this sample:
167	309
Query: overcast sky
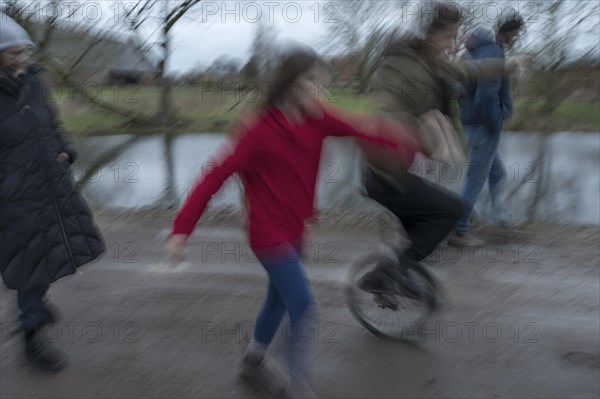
216	28
201	41
228	27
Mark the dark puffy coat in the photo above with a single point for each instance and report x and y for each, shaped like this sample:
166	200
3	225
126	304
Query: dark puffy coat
46	227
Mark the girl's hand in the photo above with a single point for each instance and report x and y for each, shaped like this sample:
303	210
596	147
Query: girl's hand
175	247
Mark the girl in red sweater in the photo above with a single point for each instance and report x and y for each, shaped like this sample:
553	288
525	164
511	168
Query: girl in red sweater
277	157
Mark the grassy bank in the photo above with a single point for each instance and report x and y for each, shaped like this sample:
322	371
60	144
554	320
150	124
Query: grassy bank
205	110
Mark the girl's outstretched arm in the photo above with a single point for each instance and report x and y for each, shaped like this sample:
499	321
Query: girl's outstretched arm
228	159
379	134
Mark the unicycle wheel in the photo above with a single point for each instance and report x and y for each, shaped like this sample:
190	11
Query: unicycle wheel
397	315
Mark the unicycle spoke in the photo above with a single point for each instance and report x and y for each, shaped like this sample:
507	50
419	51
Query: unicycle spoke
385	314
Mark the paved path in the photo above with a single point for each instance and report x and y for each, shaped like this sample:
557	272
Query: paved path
521	320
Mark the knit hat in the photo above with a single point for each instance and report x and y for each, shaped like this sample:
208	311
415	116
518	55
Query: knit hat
12	34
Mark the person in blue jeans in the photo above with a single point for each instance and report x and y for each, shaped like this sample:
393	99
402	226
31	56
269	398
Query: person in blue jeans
484	106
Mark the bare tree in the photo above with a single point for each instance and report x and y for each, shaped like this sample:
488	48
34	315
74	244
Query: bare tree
560	26
264	51
362	29
223	68
44	25
160	16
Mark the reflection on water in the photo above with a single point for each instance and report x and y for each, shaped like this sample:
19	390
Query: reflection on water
563	185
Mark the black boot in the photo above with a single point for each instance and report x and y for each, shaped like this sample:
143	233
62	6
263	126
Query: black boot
41	353
382	281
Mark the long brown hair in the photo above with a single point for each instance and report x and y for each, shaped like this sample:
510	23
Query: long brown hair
287	72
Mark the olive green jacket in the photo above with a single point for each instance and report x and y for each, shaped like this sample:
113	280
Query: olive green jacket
407	86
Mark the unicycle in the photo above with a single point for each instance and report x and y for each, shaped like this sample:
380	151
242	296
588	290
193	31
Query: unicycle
415	297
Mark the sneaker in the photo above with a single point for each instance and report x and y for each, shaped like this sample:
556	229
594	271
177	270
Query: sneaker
41	352
466	240
264	377
381	284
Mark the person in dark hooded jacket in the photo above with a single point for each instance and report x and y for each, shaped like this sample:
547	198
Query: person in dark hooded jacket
484	106
46	227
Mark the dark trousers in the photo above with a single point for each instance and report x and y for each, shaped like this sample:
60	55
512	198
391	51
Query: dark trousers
426	212
32	304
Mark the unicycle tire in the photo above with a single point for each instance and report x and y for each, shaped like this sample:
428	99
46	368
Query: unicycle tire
372	310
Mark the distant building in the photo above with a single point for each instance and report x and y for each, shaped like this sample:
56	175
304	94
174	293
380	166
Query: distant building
100	58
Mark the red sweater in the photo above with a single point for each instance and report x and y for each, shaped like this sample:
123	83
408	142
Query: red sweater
278	164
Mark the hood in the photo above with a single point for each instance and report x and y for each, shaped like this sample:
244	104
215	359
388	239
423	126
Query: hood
479	37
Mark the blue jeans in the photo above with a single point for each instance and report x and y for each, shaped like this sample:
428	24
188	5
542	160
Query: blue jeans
32	304
288	291
484	165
